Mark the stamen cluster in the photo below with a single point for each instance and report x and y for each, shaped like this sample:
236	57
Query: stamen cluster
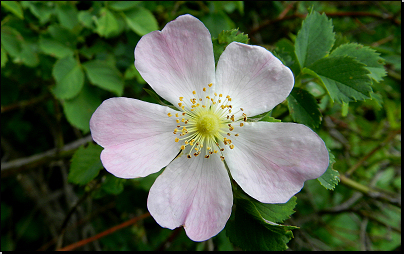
204	121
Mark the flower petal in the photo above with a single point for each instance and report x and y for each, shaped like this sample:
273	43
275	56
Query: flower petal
137	136
271	161
177	60
255	79
193	192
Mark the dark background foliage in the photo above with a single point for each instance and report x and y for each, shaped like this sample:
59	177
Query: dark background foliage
43	125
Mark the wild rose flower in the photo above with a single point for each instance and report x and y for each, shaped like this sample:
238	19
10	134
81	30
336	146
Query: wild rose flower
269	161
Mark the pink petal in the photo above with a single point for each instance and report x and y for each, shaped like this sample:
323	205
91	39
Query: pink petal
137	136
271	161
193	192
256	80
177	60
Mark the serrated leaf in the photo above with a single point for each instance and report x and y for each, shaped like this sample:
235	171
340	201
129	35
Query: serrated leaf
266	212
14	7
315	39
374	63
286	50
54	48
268	118
141	20
69	78
251	235
344	77
303	108
85	164
79	110
107	23
104	76
331	177
225	38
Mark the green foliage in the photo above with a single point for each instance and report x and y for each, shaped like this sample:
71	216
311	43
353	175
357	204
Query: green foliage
85	164
69	78
60	60
255	226
330	178
140	20
79	110
225	38
314	40
369	57
253	235
344	77
303	108
104	76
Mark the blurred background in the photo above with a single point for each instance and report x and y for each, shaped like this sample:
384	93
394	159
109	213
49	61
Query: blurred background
88	47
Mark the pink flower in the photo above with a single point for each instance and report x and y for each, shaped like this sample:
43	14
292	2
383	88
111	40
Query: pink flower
210	126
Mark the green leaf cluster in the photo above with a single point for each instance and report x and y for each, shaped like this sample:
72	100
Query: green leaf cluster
225	38
345	73
255	224
76	68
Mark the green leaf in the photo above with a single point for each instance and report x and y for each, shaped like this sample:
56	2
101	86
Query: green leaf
315	39
85	164
303	108
86	19
344	77
252	235
79	110
67	14
11	41
112	184
331	177
54	48
263	211
4	58
141	20
43	10
107	23
216	22
268	118
123	5
29	54
14	7
69	78
286	50
225	38
374	63
104	76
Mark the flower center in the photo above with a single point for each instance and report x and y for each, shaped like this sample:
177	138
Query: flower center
204	121
208	123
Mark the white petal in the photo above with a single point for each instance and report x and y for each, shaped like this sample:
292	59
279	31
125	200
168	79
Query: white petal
256	80
177	60
137	136
193	192
271	161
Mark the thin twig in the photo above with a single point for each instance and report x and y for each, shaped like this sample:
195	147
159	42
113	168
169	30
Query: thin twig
22	104
369	191
367	156
104	233
18	165
266	23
